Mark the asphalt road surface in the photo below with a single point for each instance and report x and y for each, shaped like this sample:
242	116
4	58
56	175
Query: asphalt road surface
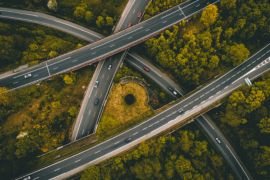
87	120
203	121
192	104
105	47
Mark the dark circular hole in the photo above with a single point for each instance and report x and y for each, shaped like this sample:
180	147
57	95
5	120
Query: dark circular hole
130	99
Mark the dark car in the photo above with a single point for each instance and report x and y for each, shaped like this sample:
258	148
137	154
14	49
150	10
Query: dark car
170	89
147	69
96	101
129	25
128	139
180	111
140	15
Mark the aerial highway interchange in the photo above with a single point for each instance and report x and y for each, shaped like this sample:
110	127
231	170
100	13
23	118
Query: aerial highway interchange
217	87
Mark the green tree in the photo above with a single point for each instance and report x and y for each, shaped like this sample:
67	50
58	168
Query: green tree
228	33
146	169
185	140
209	15
89	17
91	173
231	118
261	160
56	105
264	125
228	4
255	99
213	62
79	13
162	95
28	144
72	111
53	54
182	166
198	148
33	47
100	21
235	54
109	21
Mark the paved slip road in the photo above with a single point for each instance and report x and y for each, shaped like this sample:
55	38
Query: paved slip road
203	121
192	104
105	47
90	114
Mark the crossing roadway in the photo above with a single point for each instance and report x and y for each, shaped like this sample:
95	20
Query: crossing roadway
104	47
251	68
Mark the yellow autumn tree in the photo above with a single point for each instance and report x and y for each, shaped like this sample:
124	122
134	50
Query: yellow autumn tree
6	99
209	15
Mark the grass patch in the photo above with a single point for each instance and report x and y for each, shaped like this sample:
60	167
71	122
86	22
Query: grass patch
118	115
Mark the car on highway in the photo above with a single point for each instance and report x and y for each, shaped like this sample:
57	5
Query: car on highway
97	39
27	75
128	139
109	67
140	15
27	178
129	25
147	69
170	89
219	142
180	111
96	84
175	93
96	101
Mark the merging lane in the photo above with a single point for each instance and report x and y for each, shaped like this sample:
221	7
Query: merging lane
90	115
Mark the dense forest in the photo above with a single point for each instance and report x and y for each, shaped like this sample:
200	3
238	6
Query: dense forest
232	29
185	154
98	14
36	119
245	119
22	43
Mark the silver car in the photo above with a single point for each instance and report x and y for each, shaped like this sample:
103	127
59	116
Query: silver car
27	75
96	84
110	67
219	142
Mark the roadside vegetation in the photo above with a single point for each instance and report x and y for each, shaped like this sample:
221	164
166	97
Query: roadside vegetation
98	15
157	6
245	120
214	41
22	42
36	119
119	115
185	154
161	97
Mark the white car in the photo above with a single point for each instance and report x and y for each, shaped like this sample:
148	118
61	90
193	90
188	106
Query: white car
27	178
110	66
96	84
219	142
27	75
174	92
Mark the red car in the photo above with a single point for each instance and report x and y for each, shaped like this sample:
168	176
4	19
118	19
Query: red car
140	15
145	68
97	39
129	25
